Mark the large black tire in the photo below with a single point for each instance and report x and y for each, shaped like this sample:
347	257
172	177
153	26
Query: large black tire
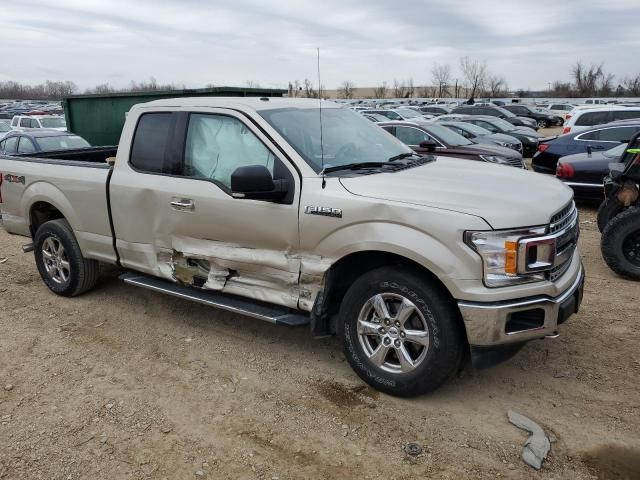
609	208
60	262
542	124
433	312
620	244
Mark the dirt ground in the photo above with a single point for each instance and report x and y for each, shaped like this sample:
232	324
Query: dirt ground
124	383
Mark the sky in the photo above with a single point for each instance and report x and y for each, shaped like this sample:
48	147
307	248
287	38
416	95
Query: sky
272	42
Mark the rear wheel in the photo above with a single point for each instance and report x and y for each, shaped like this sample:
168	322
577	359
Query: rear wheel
620	244
60	262
609	208
401	333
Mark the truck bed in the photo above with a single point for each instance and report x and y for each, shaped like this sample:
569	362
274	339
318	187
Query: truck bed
89	154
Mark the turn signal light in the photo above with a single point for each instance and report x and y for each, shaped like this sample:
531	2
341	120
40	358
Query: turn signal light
511	258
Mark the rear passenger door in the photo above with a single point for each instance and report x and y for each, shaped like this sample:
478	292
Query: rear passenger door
175	216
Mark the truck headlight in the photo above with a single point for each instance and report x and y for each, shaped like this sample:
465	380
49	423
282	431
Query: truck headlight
495	159
511	257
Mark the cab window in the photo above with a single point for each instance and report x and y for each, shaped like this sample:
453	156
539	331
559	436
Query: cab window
25	122
11	145
26	145
217	145
411	136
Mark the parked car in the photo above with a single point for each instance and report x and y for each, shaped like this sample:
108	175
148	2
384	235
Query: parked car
560	109
445	142
582	119
375	117
495	111
43	140
602	137
527	137
30	122
483	136
585	172
400	114
543	120
235	203
435	110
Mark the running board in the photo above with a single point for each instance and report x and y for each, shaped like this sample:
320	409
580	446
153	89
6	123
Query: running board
251	308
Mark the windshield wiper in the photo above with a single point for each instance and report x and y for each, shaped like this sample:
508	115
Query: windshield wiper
354	166
401	156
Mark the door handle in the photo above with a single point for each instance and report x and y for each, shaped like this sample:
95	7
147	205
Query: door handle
182	204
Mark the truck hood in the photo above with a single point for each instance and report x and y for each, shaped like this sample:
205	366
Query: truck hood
504	197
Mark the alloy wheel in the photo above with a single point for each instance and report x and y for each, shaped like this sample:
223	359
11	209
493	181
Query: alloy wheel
56	261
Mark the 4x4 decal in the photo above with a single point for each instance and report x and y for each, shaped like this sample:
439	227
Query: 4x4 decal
15	178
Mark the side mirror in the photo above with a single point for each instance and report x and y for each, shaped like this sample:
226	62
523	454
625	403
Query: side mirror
428	145
255	182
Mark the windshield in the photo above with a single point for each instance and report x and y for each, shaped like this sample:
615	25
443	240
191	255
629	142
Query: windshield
5	125
347	137
474	129
447	136
616	152
53	122
63	142
504	111
408	113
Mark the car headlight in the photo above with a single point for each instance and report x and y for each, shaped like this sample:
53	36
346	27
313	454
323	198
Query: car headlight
495	159
512	257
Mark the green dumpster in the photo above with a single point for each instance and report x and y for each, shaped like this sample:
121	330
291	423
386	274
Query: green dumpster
100	118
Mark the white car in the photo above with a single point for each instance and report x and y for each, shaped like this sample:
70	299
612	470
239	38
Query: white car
30	122
560	109
584	118
5	127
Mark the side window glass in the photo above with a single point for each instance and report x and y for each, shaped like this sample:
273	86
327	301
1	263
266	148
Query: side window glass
595	135
25	122
622	134
11	144
149	141
217	145
411	136
626	114
14	122
25	146
593	118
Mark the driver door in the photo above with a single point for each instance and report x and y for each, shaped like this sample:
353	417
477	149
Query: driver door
187	227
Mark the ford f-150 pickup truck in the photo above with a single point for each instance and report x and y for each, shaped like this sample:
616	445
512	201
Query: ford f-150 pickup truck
296	214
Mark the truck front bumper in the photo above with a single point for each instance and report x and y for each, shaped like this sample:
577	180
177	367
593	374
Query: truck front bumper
502	327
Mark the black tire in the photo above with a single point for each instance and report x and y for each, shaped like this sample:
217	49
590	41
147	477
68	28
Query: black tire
620	244
79	276
435	311
609	208
542	124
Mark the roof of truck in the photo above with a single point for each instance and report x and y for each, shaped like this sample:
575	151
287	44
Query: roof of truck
254	103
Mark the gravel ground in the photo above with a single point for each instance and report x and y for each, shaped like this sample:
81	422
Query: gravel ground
127	383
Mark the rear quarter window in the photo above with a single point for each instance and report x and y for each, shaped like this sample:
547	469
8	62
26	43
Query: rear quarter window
592	118
626	114
149	142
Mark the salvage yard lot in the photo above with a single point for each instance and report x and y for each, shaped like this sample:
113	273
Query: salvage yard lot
128	383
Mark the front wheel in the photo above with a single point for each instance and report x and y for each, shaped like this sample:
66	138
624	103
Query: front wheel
401	333
542	123
620	244
60	262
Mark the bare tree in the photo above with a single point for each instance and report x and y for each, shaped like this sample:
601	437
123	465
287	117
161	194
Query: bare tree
309	91
347	89
441	75
399	89
410	89
252	84
475	73
632	86
380	91
589	79
496	86
562	89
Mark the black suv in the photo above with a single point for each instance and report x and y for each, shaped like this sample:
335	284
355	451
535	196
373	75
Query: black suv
543	120
495	112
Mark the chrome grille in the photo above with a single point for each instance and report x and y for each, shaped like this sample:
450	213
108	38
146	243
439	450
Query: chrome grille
565	220
516	162
564	217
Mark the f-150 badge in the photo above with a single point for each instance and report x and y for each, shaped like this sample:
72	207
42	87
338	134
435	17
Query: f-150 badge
324	211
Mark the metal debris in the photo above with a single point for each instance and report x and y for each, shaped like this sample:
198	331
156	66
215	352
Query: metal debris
537	445
3	260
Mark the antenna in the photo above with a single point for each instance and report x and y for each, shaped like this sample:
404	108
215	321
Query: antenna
324	181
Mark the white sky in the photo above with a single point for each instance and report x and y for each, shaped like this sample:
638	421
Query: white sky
224	42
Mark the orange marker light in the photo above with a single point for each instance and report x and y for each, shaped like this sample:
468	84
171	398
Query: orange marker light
511	258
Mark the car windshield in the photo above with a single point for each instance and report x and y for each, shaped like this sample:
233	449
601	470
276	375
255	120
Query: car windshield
53	122
473	129
62	142
616	152
502	124
347	137
447	136
5	125
504	111
408	113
